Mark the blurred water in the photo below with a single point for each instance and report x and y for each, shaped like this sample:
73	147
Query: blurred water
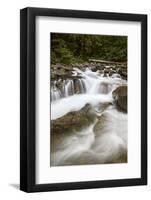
105	140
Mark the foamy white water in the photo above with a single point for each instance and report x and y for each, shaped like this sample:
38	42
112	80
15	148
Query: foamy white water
74	103
89	146
89	83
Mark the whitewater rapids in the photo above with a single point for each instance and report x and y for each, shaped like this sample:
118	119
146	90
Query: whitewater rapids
104	140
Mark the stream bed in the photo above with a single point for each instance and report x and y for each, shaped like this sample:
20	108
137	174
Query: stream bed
87	126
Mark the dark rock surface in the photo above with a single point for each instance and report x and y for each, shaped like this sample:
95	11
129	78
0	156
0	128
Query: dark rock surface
73	121
77	120
120	96
61	71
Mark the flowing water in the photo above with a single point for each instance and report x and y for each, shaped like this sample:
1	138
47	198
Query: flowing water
104	139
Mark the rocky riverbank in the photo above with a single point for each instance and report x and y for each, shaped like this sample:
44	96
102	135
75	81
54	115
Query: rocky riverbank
67	80
62	71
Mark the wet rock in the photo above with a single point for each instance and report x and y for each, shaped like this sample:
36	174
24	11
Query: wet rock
116	76
107	67
120	96
106	70
124	74
123	66
111	72
100	72
60	71
105	74
99	66
119	71
78	120
93	68
73	121
113	67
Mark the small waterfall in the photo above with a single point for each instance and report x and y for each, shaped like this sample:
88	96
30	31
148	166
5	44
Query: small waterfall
68	87
89	83
82	85
55	92
61	88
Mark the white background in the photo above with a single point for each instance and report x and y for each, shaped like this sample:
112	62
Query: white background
45	174
9	99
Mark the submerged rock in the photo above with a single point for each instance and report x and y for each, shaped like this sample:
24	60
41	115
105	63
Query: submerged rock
120	96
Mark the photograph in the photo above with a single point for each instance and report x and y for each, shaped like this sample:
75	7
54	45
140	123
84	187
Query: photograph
88	97
83	99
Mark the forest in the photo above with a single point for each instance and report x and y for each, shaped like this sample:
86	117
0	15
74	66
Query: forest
78	48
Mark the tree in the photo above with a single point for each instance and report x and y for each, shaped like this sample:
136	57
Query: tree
71	48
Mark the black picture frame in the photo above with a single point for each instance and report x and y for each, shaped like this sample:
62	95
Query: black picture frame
28	99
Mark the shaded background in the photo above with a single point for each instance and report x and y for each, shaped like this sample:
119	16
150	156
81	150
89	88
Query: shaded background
73	48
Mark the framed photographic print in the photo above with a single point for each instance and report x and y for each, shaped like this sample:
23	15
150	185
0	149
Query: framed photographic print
83	99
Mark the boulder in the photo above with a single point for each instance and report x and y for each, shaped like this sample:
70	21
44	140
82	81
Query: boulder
116	75
124	74
111	72
107	67
120	96
106	70
73	121
78	120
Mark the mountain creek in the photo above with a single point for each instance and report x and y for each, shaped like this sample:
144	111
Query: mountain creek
88	114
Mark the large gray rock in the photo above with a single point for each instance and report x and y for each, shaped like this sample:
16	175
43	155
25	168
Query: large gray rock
120	96
78	120
73	121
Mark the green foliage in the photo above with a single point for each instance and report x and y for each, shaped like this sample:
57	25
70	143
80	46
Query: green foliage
71	48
